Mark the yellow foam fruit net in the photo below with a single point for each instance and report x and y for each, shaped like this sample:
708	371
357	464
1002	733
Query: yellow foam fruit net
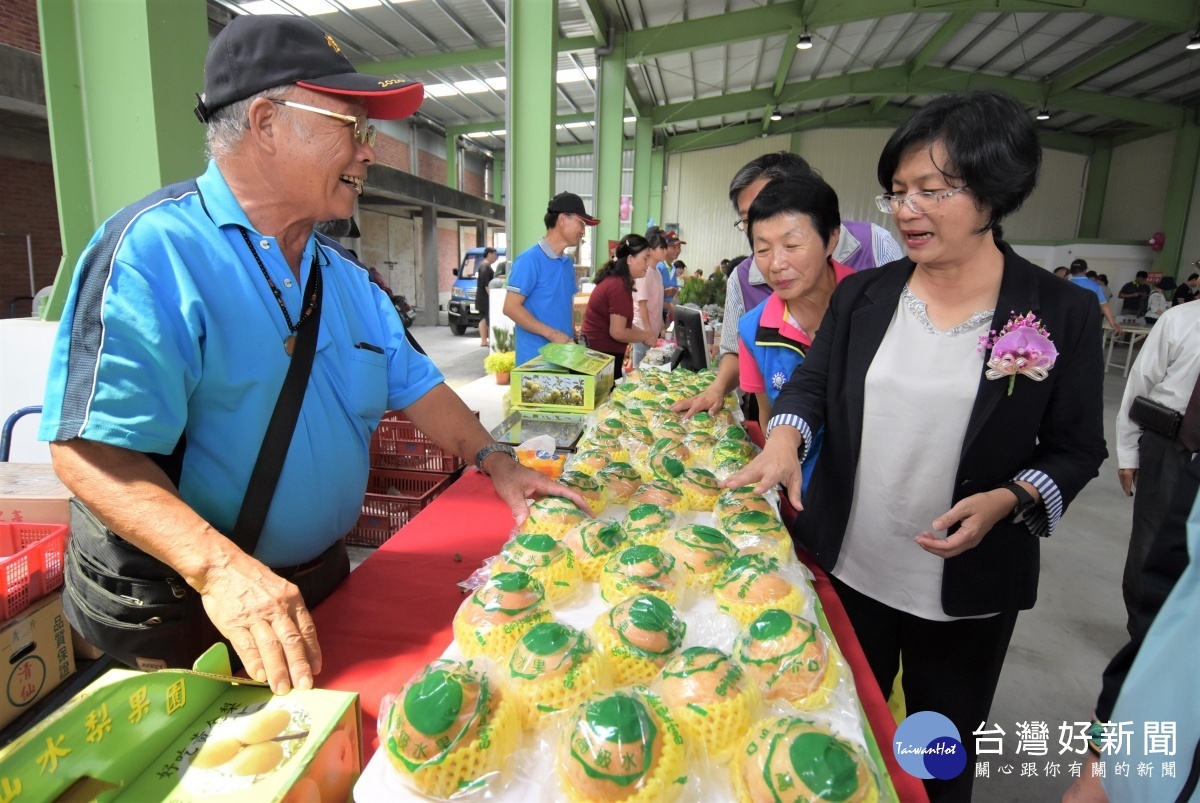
773	672
806	763
772	548
663	493
702	551
471	750
638	722
554	667
736	581
711	696
592	491
700	489
497	637
648	523
553	516
630	662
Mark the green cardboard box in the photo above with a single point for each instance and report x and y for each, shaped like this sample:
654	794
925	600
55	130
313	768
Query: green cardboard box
189	736
565	377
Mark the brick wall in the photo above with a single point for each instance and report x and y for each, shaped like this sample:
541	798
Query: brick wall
392	152
448	258
32	211
19	24
431	167
473	183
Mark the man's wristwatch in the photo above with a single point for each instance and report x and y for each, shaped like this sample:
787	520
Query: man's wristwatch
1025	502
491	448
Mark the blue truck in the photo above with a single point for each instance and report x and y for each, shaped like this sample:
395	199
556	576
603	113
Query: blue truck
463	312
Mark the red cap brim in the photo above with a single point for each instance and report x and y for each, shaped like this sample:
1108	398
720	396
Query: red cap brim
591	221
386	98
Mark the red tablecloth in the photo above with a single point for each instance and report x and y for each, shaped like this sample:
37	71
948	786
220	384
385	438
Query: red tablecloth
393	614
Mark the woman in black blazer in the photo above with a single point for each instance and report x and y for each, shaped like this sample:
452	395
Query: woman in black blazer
936	481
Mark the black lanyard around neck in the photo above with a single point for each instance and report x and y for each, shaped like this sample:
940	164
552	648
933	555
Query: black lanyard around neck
312	291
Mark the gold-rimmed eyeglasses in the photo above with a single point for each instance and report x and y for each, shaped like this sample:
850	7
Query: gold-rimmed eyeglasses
921	203
364	134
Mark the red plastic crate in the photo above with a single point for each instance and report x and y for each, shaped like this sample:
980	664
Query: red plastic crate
393	498
398	444
31	563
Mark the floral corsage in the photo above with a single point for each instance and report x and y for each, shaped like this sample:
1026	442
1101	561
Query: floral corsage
1023	346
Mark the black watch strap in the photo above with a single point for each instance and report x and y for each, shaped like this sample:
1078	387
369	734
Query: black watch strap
1025	501
492	448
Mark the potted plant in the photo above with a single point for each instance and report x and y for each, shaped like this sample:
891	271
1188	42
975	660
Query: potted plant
501	364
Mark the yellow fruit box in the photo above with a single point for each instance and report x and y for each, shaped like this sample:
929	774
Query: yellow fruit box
189	736
566	377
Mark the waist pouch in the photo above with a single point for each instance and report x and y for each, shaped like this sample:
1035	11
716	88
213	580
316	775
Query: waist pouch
1154	416
128	603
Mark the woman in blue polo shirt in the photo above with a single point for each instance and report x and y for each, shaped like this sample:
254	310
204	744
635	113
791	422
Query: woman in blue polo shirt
793	226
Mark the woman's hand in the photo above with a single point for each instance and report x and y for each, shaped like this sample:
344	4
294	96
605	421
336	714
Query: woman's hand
779	464
977	514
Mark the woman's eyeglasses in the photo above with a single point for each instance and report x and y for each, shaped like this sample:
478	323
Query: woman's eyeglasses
922	203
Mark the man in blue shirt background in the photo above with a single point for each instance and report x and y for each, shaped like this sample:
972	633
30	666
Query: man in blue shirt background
541	284
1079	277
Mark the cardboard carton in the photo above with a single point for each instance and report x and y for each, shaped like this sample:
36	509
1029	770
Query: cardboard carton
35	656
565	376
32	492
189	736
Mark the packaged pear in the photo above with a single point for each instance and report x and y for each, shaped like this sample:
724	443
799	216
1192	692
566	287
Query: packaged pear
753	584
663	493
546	560
620	481
451	731
790	758
552	668
641	569
623	747
790	658
490	621
713	698
589	461
755	522
587	487
740	500
553	516
702	552
592	543
649	524
700	489
638	636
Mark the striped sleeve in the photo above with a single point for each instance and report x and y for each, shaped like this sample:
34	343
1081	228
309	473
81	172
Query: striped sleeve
886	248
1044	518
791	420
735	307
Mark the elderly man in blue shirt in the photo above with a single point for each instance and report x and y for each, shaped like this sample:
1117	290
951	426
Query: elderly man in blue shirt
182	319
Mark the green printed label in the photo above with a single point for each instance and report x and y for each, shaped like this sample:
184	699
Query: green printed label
642	512
488	597
614	741
825	764
433	703
752	518
665	466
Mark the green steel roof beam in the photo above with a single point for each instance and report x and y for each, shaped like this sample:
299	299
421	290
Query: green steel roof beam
931	80
593	12
1110	58
587	147
484	126
730	135
786	59
463	58
953	24
757	23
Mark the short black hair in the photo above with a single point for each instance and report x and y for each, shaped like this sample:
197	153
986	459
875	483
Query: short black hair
991	146
551	219
1193	277
781	164
1091	274
806	194
1141	274
487	252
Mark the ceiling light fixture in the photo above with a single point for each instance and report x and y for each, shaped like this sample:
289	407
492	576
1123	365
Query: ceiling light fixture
1043	114
1194	42
805	41
775	115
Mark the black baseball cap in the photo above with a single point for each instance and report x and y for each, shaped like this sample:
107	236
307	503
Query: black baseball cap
572	204
257	52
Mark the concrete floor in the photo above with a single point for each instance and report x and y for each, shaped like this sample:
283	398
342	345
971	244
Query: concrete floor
1060	648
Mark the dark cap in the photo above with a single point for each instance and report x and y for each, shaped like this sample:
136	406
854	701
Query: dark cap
571	204
673	239
1079	264
257	52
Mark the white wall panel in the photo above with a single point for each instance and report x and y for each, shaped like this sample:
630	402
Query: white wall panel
1191	235
1052	211
1137	188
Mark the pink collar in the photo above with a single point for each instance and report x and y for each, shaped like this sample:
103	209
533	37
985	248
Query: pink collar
775	313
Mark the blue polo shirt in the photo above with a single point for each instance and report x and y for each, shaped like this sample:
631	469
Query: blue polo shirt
548	283
171	336
1092	285
669	279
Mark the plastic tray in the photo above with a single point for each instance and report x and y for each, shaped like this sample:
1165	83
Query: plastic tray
397	443
31	563
393	498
